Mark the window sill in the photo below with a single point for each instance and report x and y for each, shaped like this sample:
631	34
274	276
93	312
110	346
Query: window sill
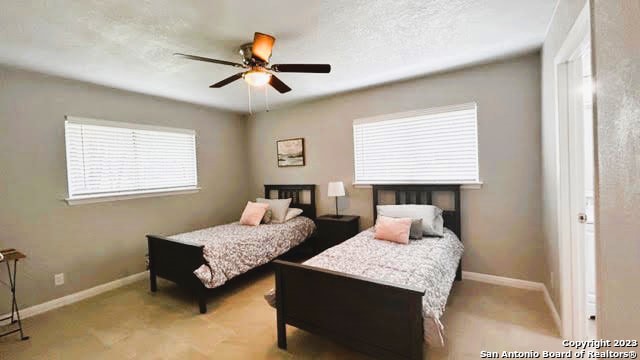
90	199
468	186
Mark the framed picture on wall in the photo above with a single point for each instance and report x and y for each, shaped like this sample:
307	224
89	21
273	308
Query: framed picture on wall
290	152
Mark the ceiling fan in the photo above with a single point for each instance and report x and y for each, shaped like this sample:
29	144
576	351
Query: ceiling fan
255	58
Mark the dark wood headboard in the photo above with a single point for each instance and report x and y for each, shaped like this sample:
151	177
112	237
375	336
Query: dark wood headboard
295	193
423	195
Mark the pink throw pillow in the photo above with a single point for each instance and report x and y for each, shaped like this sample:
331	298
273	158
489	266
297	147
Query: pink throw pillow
393	229
253	213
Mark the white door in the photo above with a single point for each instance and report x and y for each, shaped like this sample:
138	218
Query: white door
589	231
581	174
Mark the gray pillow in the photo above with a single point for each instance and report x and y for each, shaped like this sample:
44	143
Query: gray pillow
266	219
415	232
278	208
432	221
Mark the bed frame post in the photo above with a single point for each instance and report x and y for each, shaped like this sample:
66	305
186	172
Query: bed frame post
280	323
417	329
153	283
202	300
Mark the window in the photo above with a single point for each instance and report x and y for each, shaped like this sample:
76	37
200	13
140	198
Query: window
114	159
433	146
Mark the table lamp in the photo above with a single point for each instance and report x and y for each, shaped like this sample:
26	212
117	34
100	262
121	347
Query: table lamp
336	189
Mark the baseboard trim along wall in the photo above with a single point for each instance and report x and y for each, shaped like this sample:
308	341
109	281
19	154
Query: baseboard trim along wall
517	283
552	307
79	296
97	290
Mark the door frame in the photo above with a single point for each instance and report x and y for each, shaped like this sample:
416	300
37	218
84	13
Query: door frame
571	251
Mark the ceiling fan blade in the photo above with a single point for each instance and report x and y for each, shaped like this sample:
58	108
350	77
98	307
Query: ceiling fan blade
279	85
262	45
215	61
226	81
302	68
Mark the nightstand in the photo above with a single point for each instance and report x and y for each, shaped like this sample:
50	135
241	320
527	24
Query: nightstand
332	230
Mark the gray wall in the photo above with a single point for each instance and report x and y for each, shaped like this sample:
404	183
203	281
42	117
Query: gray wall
501	221
616	44
566	14
97	243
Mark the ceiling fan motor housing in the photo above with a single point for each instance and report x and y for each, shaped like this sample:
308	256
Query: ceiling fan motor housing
247	56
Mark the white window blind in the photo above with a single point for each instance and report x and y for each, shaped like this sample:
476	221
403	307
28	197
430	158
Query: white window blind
106	158
433	146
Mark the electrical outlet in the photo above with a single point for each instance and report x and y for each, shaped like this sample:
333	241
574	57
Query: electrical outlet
58	279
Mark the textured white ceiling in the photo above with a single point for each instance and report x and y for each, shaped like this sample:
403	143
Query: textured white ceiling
128	44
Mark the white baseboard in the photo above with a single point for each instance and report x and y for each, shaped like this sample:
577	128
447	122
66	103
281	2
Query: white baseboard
81	295
517	283
504	281
552	307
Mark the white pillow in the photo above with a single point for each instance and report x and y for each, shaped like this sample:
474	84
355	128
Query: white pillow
291	213
278	208
432	221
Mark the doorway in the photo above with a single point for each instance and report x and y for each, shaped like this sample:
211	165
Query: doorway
581	175
576	183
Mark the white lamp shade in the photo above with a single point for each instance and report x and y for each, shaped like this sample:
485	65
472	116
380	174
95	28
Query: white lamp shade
336	188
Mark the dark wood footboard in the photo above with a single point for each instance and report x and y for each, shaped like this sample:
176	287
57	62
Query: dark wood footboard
176	261
377	318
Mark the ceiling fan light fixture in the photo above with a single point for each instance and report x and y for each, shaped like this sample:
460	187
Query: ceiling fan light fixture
256	69
257	78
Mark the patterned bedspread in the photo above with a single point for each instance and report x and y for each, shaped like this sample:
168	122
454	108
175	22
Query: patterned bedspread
233	249
428	264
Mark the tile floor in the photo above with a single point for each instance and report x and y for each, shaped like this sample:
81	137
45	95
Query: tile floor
132	323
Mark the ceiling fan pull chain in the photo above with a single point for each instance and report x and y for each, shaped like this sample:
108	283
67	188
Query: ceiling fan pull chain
249	92
266	97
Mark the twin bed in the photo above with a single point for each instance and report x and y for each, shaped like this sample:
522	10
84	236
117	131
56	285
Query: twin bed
203	260
378	297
